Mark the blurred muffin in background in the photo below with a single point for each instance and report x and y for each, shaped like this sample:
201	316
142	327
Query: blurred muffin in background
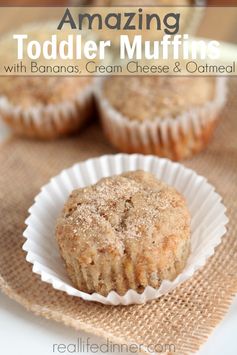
45	107
172	117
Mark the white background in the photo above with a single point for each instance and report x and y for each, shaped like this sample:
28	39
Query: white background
22	333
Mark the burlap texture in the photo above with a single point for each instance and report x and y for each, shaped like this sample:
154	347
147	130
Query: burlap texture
186	316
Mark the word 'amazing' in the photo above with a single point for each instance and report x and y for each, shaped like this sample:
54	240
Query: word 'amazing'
123	21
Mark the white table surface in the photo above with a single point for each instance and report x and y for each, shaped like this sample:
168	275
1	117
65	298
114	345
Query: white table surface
22	333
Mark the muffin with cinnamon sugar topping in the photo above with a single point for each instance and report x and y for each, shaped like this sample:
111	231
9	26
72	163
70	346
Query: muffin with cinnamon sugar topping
45	107
125	232
172	117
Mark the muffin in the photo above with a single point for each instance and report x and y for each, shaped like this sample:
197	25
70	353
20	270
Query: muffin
125	232
171	117
45	107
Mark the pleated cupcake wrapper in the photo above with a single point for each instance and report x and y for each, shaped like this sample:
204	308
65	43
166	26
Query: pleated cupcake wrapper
131	135
50	120
208	221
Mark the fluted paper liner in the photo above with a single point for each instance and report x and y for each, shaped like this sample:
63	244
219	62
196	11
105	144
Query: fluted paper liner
208	221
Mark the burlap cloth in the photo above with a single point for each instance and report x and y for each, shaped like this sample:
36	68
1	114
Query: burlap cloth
186	316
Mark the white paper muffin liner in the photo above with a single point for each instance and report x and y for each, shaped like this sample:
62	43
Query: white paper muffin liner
208	221
176	138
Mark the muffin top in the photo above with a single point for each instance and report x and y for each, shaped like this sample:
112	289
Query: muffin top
147	98
119	214
30	91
